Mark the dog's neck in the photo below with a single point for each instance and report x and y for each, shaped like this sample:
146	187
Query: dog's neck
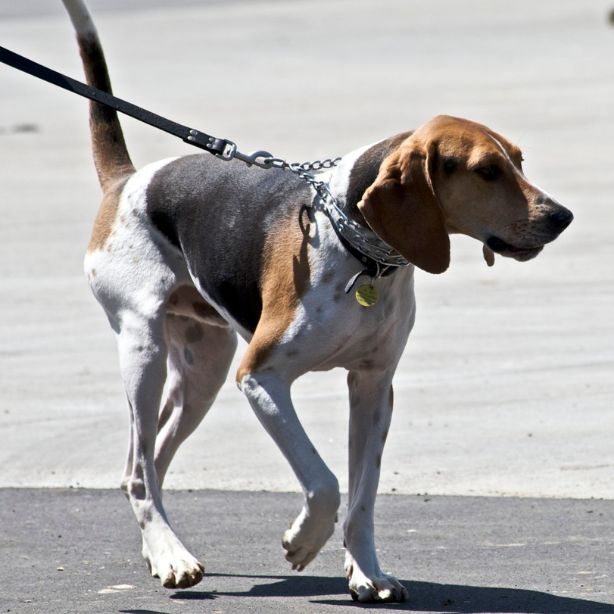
357	170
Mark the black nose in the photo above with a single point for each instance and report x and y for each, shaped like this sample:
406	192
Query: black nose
560	218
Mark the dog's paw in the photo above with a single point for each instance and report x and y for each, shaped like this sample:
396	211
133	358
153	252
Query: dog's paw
382	588
379	588
304	539
173	565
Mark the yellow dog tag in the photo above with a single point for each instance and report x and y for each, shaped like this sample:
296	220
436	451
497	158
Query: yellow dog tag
366	295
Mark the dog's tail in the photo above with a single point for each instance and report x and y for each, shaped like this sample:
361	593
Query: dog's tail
108	145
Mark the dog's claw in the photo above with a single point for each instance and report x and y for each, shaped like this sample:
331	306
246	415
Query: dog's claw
369	593
379	588
304	539
183	577
174	566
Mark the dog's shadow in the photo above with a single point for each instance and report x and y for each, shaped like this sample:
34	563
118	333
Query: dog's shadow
423	596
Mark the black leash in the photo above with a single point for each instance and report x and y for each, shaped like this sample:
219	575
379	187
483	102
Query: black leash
222	148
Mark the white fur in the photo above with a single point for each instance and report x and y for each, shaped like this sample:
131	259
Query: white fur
269	396
339	177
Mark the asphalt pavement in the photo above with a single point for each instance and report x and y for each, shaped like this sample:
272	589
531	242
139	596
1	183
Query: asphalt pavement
506	385
77	551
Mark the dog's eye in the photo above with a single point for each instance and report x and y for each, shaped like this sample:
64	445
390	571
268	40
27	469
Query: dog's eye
489	173
449	164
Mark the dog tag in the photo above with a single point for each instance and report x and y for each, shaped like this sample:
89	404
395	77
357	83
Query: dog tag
367	295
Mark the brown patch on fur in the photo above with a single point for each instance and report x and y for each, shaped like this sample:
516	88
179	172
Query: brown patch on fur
107	213
401	208
108	146
285	279
470	204
365	171
111	157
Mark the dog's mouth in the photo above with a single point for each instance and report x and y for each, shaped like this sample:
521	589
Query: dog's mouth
499	246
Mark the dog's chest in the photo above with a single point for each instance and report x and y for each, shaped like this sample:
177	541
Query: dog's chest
332	329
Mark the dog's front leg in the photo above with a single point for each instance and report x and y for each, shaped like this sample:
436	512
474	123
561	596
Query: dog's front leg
370	413
269	396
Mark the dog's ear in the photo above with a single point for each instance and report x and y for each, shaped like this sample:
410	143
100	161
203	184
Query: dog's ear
402	209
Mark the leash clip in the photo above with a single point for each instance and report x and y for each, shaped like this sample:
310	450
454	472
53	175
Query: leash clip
260	158
227	150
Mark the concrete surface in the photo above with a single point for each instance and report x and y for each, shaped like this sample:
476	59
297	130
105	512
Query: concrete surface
507	384
454	554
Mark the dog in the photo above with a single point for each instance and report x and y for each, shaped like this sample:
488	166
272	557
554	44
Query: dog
190	252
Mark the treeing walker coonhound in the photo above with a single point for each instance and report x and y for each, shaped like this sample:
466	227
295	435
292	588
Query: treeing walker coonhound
188	252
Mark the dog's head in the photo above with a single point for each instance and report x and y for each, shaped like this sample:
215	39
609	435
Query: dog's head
456	176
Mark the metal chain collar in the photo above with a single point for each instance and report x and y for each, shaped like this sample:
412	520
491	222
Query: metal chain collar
361	238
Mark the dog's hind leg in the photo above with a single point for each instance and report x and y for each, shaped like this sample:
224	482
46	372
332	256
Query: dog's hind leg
143	354
198	360
371	399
